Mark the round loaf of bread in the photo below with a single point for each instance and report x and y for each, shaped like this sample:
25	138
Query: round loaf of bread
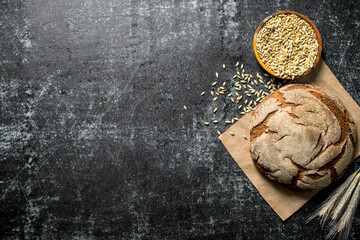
302	136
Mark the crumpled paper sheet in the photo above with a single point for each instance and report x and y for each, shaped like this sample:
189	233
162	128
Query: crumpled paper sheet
283	201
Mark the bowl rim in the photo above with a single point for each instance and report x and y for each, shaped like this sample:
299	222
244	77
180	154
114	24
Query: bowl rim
318	38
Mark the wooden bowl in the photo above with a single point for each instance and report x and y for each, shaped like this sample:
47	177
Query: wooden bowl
318	38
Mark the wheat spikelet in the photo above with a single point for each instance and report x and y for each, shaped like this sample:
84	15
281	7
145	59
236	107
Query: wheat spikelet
343	225
345	198
325	208
340	206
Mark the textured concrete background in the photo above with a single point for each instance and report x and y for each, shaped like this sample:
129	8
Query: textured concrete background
94	141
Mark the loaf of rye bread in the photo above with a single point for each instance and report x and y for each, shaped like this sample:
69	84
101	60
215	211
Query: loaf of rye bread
302	136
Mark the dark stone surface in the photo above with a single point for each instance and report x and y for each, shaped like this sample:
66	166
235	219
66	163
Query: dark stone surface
94	141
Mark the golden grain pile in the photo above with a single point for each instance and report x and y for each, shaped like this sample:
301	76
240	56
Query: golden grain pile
287	45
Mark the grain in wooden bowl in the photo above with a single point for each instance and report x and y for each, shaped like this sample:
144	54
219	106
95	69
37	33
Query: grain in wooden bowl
287	45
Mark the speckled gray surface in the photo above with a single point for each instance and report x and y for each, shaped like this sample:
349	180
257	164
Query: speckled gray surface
94	141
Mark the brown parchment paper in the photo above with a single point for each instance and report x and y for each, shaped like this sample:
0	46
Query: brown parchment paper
283	201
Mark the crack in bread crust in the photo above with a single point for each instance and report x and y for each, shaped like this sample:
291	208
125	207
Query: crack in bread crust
331	163
317	127
319	143
292	115
260	128
342	118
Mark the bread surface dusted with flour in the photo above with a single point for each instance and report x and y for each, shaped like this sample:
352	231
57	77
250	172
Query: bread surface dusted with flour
302	136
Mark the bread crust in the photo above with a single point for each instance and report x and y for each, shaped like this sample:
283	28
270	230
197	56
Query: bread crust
302	136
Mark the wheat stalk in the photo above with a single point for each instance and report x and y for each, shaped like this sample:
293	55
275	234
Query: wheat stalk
325	208
342	227
344	200
340	206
